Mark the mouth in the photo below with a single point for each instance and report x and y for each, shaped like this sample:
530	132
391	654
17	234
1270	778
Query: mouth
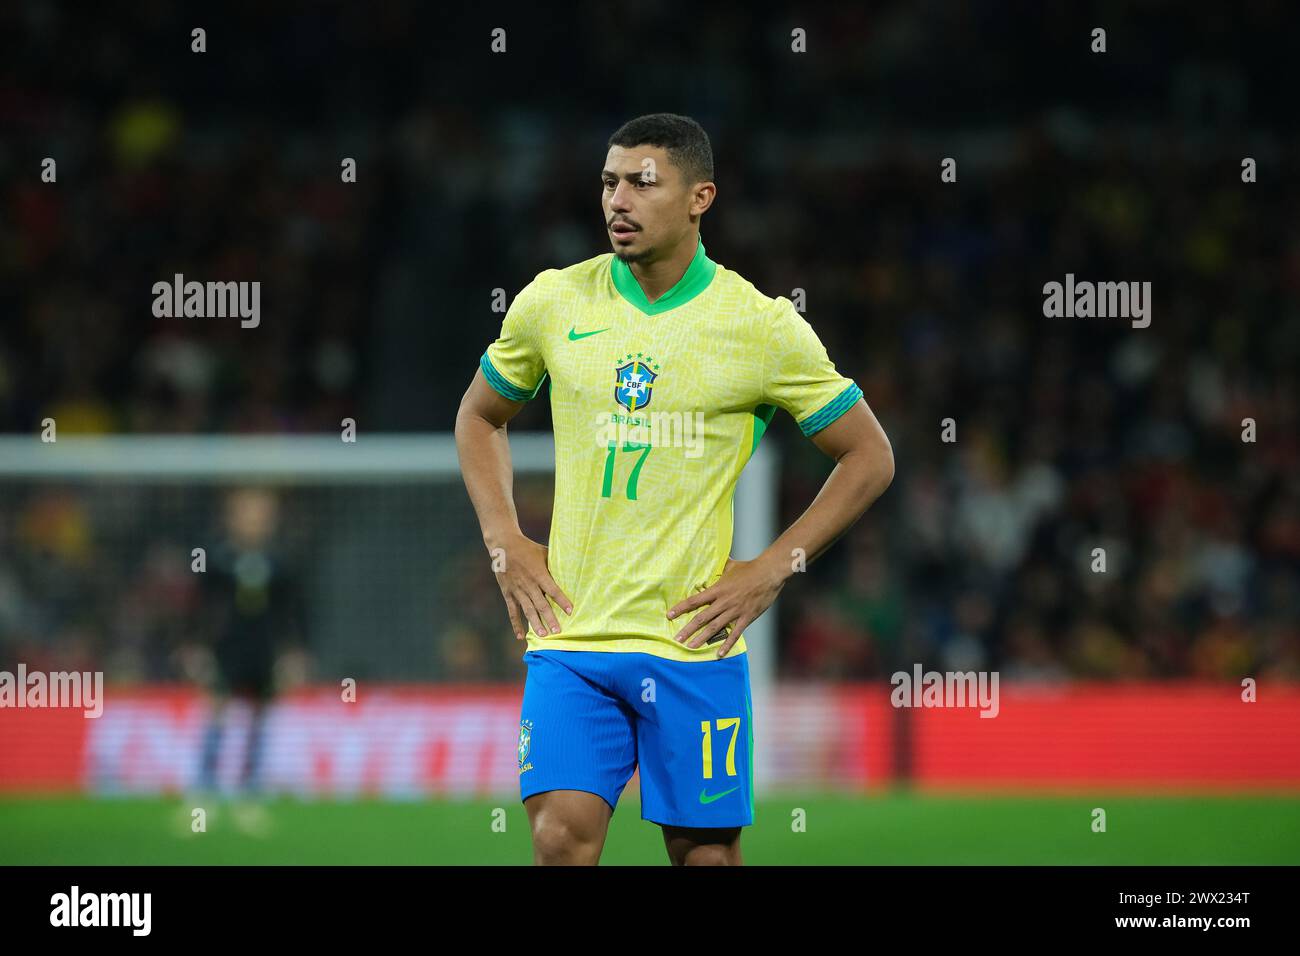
623	230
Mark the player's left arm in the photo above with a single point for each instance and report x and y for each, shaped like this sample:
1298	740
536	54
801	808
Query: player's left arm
799	376
864	467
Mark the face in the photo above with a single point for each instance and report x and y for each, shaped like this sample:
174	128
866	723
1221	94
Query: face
647	202
250	515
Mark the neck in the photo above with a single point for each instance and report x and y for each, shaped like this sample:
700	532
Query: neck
656	278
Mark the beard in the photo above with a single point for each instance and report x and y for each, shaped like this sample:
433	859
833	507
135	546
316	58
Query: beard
631	257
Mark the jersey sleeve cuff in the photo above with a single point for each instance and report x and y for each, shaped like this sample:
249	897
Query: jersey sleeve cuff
832	410
504	387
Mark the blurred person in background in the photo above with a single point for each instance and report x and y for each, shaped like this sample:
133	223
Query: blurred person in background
254	613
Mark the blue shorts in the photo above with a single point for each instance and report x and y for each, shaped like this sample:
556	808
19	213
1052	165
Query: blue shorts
590	718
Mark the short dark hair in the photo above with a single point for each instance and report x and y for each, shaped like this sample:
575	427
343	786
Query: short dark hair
687	143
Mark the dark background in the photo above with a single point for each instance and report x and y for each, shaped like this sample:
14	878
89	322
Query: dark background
477	170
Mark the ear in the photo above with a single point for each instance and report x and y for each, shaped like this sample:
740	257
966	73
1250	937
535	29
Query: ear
702	197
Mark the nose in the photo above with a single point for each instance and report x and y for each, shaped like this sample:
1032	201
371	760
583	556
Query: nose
618	200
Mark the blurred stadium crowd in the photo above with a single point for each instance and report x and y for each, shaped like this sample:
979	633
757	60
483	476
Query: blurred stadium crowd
1071	434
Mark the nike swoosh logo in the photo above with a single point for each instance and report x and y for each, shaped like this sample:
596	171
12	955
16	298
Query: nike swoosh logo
705	798
574	334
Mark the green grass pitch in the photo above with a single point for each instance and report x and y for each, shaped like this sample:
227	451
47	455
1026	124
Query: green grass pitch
896	828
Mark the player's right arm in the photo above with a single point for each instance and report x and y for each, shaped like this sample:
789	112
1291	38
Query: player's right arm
484	451
510	372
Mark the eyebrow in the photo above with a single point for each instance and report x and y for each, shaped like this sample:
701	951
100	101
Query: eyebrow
629	176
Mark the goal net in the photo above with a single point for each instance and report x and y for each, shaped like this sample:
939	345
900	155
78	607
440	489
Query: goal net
386	582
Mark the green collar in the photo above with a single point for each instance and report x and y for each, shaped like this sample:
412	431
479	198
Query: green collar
694	280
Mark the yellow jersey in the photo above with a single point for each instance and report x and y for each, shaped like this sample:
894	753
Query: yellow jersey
656	409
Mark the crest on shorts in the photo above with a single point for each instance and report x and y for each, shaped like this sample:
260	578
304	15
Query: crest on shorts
634	380
525	740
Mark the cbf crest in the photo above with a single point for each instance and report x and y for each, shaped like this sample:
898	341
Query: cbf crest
634	380
525	744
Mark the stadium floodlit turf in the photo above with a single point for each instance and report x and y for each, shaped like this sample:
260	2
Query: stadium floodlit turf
887	829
